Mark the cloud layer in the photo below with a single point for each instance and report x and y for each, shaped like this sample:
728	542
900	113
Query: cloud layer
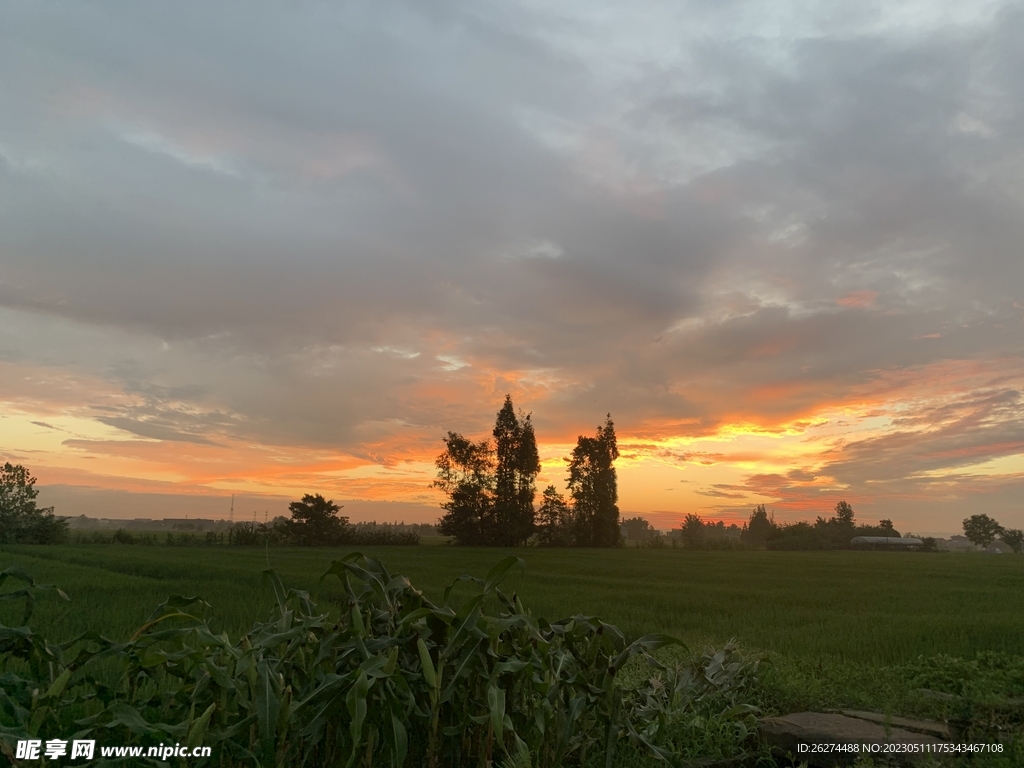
265	249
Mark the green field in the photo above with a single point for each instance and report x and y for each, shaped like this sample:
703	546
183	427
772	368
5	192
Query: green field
837	628
870	608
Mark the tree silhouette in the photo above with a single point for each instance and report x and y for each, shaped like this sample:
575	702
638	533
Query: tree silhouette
554	520
490	489
837	531
844	515
465	474
518	464
638	529
759	528
315	522
981	530
594	488
21	521
1014	539
692	530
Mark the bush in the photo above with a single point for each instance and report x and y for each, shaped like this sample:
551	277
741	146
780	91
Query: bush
652	542
121	536
690	699
252	534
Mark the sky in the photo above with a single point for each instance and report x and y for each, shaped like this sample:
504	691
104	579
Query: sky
265	250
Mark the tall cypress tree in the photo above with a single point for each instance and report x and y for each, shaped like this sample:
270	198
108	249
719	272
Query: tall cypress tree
593	486
517	466
528	462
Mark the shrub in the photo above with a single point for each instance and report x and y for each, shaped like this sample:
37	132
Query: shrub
252	534
653	542
702	707
121	536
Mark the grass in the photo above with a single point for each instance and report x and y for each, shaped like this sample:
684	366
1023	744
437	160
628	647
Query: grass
865	608
840	629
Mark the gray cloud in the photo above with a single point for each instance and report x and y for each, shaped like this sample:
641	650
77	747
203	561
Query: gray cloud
155	431
302	228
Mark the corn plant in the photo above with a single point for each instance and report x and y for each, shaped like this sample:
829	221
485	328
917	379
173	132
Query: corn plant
701	707
395	680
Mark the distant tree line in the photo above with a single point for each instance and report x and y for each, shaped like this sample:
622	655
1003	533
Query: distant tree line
491	487
696	533
834	532
246	534
693	533
762	532
314	522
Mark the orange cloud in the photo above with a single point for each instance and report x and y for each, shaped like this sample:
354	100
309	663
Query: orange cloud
858	299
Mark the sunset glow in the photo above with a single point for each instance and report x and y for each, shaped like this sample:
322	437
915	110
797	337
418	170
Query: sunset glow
788	265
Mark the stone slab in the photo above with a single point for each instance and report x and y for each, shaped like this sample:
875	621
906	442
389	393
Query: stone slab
787	733
930	727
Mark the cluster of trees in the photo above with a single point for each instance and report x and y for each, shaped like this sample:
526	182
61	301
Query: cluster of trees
761	531
834	532
696	533
982	530
21	521
491	489
837	531
693	533
315	522
638	529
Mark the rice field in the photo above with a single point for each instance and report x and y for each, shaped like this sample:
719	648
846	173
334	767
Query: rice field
812	608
